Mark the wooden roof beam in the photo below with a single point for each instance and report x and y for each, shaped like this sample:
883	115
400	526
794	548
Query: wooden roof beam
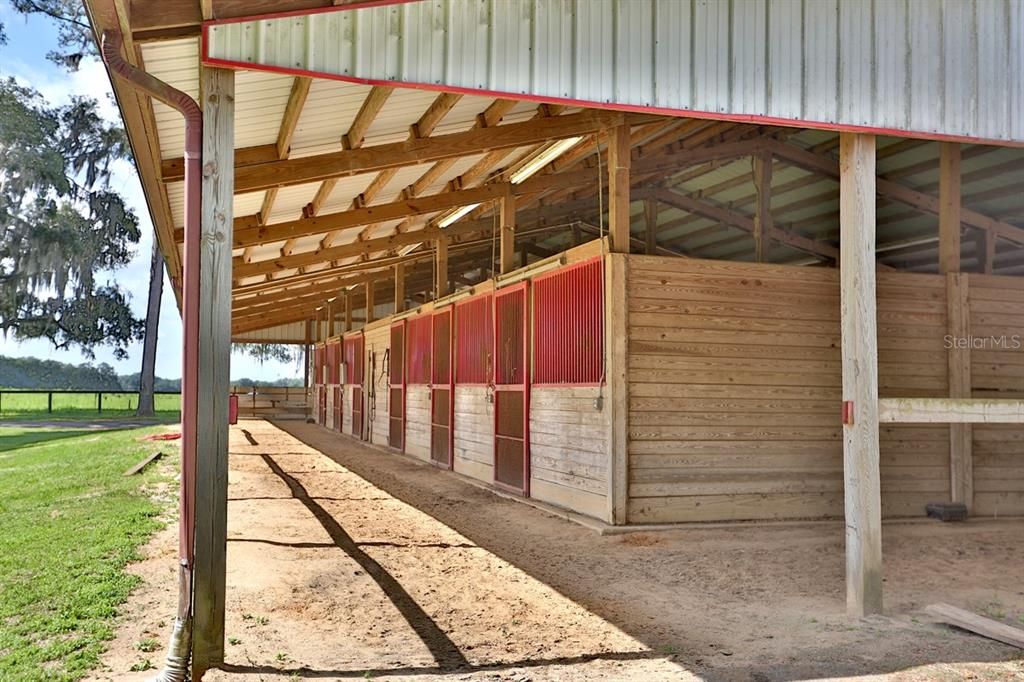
927	203
351	139
263	173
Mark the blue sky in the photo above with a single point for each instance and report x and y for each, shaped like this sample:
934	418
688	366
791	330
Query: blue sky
24	58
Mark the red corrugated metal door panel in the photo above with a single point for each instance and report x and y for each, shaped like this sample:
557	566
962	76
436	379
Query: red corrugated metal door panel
511	390
418	347
568	325
396	385
441	389
474	340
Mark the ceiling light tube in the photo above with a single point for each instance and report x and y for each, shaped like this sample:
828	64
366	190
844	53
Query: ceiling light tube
552	152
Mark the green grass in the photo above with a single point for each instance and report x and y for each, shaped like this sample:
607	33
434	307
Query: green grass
34	406
69	524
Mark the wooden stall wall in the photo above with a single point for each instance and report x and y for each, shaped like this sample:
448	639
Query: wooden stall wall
996	323
378	342
569	448
417	398
473	421
734	390
474	432
912	363
569	410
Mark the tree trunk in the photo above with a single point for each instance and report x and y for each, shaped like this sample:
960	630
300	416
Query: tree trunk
147	378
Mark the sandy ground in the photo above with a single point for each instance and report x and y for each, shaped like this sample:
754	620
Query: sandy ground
363	564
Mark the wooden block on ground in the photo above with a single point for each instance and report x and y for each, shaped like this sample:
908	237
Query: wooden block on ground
979	625
143	464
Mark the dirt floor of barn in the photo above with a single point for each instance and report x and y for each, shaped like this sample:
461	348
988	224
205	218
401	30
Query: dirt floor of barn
348	562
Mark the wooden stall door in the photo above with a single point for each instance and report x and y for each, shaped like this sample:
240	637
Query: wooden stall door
442	392
511	390
322	390
396	387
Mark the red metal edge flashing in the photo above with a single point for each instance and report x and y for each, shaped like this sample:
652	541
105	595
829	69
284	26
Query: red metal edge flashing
753	119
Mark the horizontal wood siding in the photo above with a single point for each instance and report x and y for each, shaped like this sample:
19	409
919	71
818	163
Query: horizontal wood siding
378	340
569	449
474	433
346	410
997	371
417	421
735	391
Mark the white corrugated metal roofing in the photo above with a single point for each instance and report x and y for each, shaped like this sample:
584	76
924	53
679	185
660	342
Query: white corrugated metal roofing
949	68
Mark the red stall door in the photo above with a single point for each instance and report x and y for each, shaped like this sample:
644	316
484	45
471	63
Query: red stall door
511	390
396	387
442	394
354	371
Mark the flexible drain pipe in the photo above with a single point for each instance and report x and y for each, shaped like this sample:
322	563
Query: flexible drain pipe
179	647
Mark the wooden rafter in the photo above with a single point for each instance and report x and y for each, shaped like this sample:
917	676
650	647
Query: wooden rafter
889	189
264	173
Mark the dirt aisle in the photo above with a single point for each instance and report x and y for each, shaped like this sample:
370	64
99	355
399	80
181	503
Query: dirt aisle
331	575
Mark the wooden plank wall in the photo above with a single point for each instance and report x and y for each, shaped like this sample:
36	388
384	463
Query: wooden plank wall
997	371
474	433
346	409
735	391
377	342
417	421
569	448
912	363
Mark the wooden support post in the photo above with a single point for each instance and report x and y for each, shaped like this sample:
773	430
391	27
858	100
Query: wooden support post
961	436
370	303
762	167
441	267
305	354
651	220
348	311
400	288
507	239
616	341
218	102
330	319
618	188
863	503
949	207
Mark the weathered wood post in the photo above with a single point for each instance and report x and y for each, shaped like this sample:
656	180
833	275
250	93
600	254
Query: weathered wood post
218	103
618	188
860	374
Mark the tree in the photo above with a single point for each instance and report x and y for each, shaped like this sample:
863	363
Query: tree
74	33
61	225
267	351
147	378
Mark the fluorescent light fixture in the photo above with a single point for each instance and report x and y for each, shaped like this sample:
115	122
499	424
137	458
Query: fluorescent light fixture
552	152
407	249
455	215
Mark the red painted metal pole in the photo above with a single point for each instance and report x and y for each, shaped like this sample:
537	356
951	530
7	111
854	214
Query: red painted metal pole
176	99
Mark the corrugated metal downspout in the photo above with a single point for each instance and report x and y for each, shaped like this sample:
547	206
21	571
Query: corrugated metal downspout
176	668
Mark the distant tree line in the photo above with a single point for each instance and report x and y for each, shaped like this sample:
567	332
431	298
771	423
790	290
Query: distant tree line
54	375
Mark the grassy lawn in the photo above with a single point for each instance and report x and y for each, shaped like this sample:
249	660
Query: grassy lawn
70	523
34	406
